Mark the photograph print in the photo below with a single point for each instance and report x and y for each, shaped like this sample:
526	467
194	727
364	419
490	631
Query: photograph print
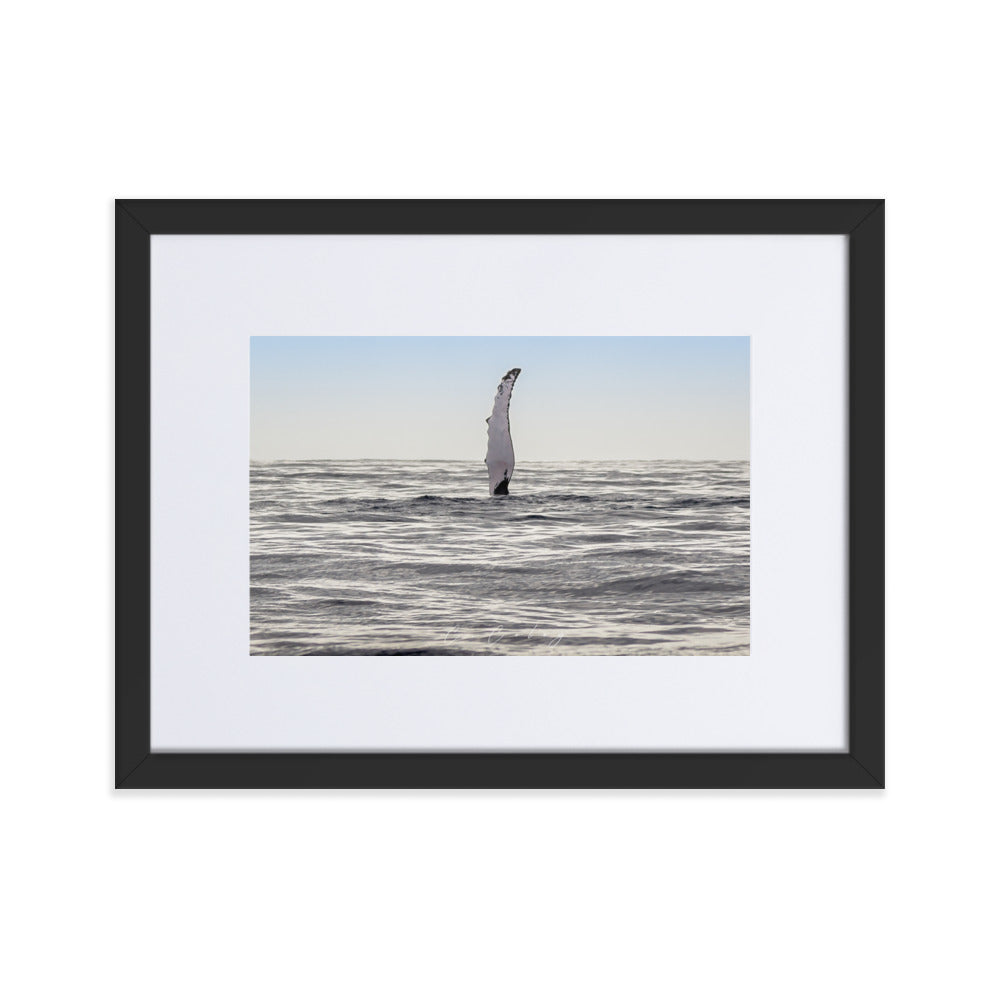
500	496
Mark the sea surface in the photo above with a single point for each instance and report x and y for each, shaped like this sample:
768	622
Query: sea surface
389	558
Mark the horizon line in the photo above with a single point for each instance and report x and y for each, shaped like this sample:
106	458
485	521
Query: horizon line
466	461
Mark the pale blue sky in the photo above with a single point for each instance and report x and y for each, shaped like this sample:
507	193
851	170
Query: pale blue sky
428	397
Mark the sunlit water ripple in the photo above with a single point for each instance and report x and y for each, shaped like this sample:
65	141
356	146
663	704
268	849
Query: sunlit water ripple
415	558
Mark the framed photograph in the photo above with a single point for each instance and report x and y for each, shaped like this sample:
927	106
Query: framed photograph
499	494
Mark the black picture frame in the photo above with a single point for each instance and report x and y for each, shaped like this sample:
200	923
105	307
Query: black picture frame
861	766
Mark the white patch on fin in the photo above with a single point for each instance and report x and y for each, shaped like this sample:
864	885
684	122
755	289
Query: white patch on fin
499	447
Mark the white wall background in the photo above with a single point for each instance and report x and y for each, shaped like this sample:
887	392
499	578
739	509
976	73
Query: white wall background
499	894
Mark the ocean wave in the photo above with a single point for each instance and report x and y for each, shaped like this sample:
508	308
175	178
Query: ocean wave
652	559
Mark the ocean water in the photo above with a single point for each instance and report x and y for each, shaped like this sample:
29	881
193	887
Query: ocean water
415	558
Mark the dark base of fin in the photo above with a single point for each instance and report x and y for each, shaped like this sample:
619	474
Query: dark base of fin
501	489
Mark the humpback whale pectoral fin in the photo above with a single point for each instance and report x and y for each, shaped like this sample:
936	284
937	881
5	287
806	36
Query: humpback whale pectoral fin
499	448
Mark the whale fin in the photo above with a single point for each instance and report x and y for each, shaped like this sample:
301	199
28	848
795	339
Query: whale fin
499	447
